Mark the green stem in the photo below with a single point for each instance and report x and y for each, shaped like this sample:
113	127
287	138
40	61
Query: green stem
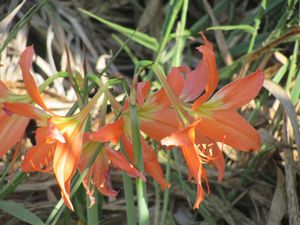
138	155
11	186
257	21
293	66
51	79
166	192
92	212
129	197
180	37
168	25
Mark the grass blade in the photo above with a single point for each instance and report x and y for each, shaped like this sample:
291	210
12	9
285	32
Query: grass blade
243	27
139	37
17	210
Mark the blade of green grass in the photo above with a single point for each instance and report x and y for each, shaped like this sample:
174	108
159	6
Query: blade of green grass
168	25
142	201
129	196
293	66
180	39
130	54
17	210
243	27
92	211
139	37
295	94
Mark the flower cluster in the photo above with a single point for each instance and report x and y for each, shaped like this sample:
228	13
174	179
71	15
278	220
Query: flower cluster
184	113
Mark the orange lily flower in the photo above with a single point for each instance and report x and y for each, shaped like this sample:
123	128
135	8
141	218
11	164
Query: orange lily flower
120	131
211	119
12	127
157	120
59	139
98	174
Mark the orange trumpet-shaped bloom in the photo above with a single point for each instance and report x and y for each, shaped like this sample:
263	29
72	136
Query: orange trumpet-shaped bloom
59	139
157	120
212	119
120	130
12	127
98	174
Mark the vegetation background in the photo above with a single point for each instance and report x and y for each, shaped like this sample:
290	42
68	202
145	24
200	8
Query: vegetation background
258	188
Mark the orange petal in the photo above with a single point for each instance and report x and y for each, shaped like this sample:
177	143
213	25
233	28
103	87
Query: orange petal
111	132
120	161
219	164
185	137
159	98
195	82
229	127
101	174
39	158
143	89
176	80
239	92
26	110
159	124
66	158
152	167
196	170
209	59
25	63
12	130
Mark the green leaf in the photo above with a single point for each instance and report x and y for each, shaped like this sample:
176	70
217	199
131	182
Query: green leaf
137	36
243	27
17	210
142	64
296	90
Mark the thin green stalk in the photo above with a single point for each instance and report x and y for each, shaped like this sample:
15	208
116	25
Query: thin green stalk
92	211
180	37
293	66
129	196
175	6
257	25
138	155
129	199
131	55
67	217
11	186
51	79
166	192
